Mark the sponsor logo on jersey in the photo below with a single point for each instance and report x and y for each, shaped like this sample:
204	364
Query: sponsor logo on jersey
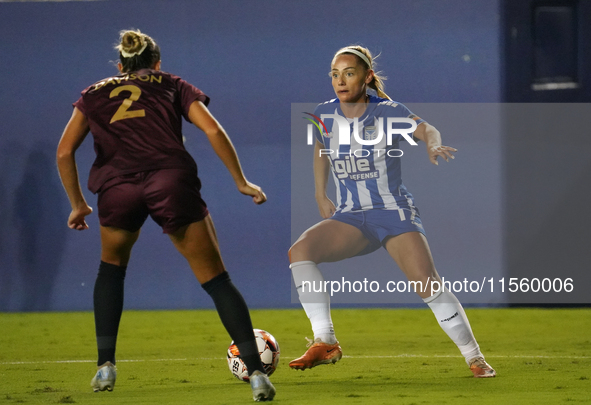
354	168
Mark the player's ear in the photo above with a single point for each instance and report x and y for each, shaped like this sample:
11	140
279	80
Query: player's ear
157	65
120	67
369	77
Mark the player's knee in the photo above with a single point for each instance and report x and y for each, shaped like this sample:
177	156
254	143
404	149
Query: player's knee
292	252
116	258
300	251
295	252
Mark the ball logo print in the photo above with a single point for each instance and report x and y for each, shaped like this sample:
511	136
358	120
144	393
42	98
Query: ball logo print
268	351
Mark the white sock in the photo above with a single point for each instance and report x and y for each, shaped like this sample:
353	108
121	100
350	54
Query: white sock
452	319
316	302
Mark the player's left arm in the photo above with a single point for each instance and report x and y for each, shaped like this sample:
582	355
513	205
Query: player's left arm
432	138
223	147
75	132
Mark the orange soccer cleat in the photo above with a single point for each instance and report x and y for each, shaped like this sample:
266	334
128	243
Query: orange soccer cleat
481	369
318	353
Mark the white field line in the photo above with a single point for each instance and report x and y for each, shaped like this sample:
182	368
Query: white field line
398	356
458	356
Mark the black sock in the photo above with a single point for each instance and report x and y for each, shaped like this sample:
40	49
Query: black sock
108	305
235	317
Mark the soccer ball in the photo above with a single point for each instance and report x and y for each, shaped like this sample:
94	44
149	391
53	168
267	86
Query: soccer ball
268	350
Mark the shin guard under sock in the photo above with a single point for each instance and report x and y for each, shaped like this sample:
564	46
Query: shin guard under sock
235	317
315	301
108	306
452	319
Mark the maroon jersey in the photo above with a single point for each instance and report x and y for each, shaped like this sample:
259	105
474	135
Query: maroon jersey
135	119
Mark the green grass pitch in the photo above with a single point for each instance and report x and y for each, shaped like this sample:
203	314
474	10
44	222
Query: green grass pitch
391	356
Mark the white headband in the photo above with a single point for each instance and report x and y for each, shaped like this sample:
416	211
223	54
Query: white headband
356	52
129	55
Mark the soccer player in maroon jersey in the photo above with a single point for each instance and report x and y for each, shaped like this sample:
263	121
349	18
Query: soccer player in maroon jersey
141	169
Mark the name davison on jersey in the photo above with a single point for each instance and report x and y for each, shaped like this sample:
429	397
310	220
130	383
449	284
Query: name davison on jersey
356	169
131	76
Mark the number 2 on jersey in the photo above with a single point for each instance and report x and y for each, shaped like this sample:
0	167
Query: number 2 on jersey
123	110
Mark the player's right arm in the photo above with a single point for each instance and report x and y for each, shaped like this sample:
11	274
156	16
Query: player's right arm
321	170
75	132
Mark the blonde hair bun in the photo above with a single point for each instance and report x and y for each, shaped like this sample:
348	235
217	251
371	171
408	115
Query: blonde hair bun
132	43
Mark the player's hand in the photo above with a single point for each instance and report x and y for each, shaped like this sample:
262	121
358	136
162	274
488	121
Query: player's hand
257	194
326	207
446	152
76	220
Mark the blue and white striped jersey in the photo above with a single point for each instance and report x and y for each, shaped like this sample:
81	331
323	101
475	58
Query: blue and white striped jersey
367	176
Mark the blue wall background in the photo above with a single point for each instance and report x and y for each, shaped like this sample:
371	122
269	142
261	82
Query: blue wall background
254	59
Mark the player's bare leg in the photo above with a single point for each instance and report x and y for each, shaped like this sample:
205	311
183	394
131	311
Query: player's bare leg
116	245
197	242
327	241
412	254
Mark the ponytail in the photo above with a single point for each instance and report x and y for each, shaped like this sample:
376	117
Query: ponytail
378	85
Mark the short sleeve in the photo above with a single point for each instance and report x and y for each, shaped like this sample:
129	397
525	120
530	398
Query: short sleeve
80	105
188	94
406	113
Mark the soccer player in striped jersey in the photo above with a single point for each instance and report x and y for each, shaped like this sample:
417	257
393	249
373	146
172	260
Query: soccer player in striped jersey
142	168
373	207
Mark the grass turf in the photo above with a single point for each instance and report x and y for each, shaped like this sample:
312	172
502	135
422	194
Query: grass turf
542	356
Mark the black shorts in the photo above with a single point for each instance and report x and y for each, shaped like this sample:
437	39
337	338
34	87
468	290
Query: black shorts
170	196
